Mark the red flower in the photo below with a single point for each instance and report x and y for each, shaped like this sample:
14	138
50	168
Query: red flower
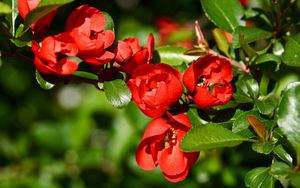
155	88
51	56
130	54
86	25
168	28
160	145
207	80
41	26
244	2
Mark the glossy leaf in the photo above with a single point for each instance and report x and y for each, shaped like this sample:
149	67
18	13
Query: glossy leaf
288	115
210	136
259	178
194	117
174	56
44	7
280	169
263	148
87	75
221	40
283	155
242	127
291	55
265	105
4	8
42	82
226	14
250	34
267	58
117	93
247	89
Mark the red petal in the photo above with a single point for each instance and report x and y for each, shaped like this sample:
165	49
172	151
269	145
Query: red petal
158	126
181	118
177	177
107	37
150	47
48	50
223	93
204	99
175	89
124	51
134	44
173	161
23	8
144	156
66	67
189	78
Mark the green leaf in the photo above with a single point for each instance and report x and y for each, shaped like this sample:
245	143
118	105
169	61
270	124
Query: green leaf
117	93
259	178
4	8
42	82
288	115
263	148
44	7
242	127
250	34
247	89
194	117
226	14
210	136
291	55
221	41
280	169
87	75
283	155
295	179
174	56
265	105
109	22
266	58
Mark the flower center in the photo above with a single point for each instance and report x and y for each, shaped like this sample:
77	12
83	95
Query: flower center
171	138
202	82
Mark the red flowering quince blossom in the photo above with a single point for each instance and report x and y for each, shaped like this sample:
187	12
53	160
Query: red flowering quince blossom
51	57
207	81
160	146
168	27
41	26
86	25
130	54
155	88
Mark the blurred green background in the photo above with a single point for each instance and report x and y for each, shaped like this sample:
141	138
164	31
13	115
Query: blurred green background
71	137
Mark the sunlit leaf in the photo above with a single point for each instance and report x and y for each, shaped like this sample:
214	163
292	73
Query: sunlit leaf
117	93
250	34
210	136
174	56
259	178
4	8
42	82
291	55
283	155
226	14
288	115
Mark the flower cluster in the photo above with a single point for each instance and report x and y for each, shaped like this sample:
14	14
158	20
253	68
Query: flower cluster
156	89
